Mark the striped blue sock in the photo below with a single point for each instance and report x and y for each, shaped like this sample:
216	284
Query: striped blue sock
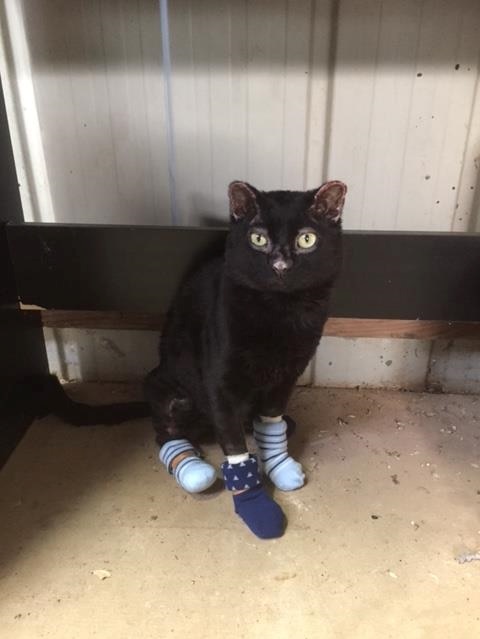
193	474
283	470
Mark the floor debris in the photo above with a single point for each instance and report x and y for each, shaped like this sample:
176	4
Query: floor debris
102	574
467	557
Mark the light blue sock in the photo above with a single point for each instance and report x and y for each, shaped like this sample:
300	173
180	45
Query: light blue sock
283	470
193	474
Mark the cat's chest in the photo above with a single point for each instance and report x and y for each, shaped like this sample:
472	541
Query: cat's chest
269	335
276	341
280	324
273	339
269	357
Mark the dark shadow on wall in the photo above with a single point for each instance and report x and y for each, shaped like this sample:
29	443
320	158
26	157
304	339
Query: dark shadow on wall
81	33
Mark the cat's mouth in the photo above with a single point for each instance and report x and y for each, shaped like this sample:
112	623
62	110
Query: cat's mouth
279	281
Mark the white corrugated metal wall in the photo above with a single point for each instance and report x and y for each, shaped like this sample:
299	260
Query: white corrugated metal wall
380	93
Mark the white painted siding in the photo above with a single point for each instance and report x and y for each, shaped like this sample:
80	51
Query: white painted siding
383	94
380	93
404	93
96	72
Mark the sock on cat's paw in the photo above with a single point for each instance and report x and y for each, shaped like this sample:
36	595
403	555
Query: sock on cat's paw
192	473
291	425
283	470
258	510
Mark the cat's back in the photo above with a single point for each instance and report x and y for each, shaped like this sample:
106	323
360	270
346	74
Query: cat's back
200	288
195	298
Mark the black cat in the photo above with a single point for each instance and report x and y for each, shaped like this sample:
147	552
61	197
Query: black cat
244	326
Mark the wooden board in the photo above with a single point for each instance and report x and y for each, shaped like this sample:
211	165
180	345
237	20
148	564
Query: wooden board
335	327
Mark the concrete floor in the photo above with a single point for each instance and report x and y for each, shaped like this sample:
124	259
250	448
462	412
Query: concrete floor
370	551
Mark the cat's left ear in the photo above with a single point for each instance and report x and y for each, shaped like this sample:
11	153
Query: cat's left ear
243	201
329	200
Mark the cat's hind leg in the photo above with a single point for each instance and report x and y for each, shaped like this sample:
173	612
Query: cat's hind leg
171	413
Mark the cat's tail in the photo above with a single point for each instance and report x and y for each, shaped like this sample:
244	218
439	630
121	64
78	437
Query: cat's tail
47	396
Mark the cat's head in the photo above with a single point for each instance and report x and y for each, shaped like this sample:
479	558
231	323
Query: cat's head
284	240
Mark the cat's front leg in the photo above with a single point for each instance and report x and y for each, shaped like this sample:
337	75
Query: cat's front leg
274	399
270	432
229	416
240	470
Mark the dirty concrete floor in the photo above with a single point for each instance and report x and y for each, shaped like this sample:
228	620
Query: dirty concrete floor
370	551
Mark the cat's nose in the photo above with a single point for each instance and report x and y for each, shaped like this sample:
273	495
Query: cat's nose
280	266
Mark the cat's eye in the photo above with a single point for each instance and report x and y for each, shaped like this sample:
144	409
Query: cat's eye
307	240
258	239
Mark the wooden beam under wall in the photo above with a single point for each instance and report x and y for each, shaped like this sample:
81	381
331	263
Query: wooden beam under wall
335	327
102	320
406	329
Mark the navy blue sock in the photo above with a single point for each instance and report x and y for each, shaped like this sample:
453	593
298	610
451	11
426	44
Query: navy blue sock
262	515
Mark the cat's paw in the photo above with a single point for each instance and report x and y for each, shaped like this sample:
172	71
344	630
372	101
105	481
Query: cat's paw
182	461
258	510
288	475
283	470
194	475
260	513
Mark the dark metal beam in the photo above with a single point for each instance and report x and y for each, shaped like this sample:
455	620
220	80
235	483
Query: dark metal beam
386	275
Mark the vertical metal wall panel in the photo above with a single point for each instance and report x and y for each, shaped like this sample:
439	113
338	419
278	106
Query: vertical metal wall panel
277	76
467	209
98	81
322	36
244	78
353	89
404	92
441	106
380	93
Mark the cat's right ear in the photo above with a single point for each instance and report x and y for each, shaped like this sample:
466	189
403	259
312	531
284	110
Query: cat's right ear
243	201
